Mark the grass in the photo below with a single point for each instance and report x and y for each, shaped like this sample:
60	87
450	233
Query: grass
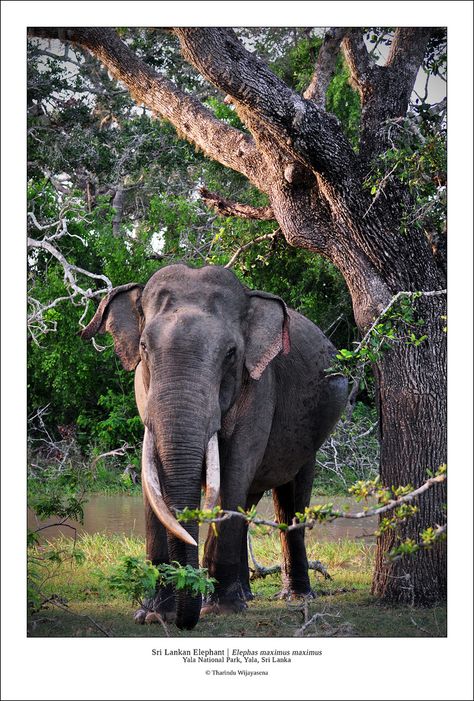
82	606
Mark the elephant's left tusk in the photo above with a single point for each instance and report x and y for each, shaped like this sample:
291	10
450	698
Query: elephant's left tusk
152	491
213	473
140	392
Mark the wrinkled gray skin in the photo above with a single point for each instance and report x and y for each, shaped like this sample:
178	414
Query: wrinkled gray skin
215	358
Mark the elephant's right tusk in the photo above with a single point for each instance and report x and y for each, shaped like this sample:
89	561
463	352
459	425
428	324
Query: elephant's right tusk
152	490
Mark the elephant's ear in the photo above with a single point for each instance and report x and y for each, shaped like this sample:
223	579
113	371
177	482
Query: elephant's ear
120	313
268	331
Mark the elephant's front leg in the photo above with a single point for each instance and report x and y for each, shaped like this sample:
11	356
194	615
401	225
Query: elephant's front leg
163	601
211	555
222	557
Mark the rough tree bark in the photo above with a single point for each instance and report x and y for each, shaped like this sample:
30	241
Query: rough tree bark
298	155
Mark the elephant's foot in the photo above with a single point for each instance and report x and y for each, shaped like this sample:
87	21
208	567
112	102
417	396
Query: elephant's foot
160	608
289	594
223	607
148	617
247	594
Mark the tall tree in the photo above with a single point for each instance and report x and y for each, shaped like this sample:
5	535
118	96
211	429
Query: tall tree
295	151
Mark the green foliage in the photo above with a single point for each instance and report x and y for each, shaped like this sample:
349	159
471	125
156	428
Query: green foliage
198	515
133	577
400	514
428	538
122	422
136	578
185	577
225	113
58	494
441	471
396	325
318	513
344	102
418	160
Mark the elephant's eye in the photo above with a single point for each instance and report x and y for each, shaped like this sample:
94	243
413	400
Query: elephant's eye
143	346
230	354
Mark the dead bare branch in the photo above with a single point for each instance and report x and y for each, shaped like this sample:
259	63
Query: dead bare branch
246	246
320	616
38	322
117	452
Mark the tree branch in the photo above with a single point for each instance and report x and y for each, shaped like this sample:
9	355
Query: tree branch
192	120
260	572
248	245
395	298
37	322
384	90
321	514
360	63
325	65
117	204
69	269
408	49
226	207
312	136
118	451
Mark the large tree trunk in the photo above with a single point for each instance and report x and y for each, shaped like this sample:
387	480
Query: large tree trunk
411	387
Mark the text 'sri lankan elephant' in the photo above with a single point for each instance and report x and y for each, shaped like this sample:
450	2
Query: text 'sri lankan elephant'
231	388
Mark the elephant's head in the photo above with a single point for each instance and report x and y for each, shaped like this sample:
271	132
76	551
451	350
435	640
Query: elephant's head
194	335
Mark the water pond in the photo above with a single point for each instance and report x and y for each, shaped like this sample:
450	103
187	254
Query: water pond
123	514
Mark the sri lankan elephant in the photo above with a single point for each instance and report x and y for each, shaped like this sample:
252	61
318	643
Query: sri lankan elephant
231	388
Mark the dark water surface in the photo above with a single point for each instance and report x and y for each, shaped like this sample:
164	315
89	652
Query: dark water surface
123	514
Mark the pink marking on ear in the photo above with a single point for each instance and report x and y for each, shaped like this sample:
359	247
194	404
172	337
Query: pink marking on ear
285	335
266	358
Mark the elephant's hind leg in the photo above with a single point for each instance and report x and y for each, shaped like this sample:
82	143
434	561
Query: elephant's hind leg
162	603
288	499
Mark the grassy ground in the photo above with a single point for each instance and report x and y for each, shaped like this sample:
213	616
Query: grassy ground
82	606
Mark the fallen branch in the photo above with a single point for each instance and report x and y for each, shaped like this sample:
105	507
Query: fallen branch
260	572
54	602
317	616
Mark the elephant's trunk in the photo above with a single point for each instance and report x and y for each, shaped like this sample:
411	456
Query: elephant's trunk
181	441
181	475
152	490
